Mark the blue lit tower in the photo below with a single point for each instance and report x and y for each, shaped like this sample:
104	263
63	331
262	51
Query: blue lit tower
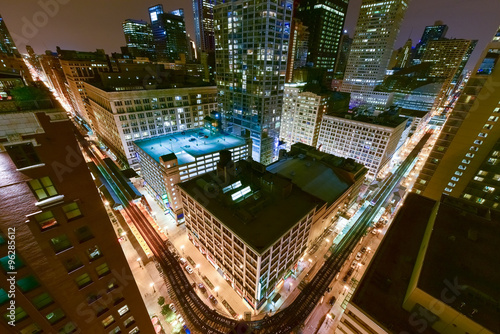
431	33
139	37
204	24
7	45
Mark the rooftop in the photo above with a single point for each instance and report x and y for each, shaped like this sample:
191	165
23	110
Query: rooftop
261	216
188	145
384	119
413	113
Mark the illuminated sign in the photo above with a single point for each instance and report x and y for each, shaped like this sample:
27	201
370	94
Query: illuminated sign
154	17
241	193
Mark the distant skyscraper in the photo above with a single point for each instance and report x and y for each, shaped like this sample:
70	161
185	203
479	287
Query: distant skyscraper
169	33
465	160
7	45
252	48
139	38
325	21
204	24
404	56
376	32
431	33
344	50
297	55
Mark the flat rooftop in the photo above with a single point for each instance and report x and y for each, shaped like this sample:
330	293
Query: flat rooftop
312	176
464	247
262	216
382	289
188	145
384	119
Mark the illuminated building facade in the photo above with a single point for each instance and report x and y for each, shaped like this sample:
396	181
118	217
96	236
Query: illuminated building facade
139	38
204	24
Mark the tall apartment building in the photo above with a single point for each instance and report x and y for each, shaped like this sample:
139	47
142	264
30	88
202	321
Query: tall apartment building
139	38
203	11
369	140
134	105
7	45
169	33
448	58
465	154
301	115
437	280
79	67
298	48
325	21
168	160
431	33
254	225
251	68
65	244
376	32
343	56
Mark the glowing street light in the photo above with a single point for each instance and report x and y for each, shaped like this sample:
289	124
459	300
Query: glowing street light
182	249
216	289
139	260
153	286
198	267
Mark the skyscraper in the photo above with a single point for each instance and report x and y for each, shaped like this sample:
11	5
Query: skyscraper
431	33
251	52
169	33
139	38
7	45
204	24
404	56
344	50
376	32
297	55
464	161
325	21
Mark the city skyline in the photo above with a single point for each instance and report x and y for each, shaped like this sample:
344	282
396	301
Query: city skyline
61	24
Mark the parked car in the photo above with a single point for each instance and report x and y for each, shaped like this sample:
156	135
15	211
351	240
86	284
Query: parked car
332	301
182	260
363	250
193	285
350	271
202	288
172	307
354	264
346	277
212	299
358	256
189	269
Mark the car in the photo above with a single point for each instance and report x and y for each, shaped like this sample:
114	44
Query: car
354	264
182	260
192	139
374	231
193	285
202	288
172	307
358	256
350	271
332	301
363	250
212	299
346	277
189	269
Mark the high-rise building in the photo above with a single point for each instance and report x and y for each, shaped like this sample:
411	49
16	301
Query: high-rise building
404	56
376	32
436	281
204	24
52	69
7	45
133	105
431	33
325	22
169	33
139	38
464	161
251	53
369	140
69	273
297	51
344	50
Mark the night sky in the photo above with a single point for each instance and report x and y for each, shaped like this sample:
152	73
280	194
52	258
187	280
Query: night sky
91	24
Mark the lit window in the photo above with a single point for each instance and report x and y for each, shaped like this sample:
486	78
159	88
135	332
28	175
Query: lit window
108	321
482	173
480	200
83	280
488	189
46	220
102	270
493	161
478	178
123	310
94	253
19	314
55	316
72	210
129	321
43	187
467	196
60	243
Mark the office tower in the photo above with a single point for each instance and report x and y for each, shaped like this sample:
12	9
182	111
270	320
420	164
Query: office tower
431	273
431	33
404	56
137	104
51	68
325	22
139	38
302	114
344	50
464	161
369	140
297	50
169	33
7	45
254	244
204	24
69	272
376	32
251	53
78	67
168	160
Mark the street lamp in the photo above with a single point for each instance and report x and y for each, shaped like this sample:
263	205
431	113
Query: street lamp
345	289
153	286
216	289
139	260
198	267
166	230
289	286
182	249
